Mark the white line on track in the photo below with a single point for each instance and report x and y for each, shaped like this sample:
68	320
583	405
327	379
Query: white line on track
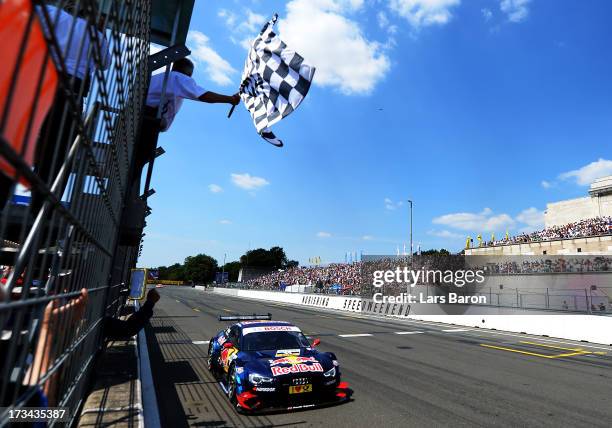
200	342
409	332
355	335
456	330
539	338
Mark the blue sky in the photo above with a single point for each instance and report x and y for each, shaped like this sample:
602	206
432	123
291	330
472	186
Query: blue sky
481	111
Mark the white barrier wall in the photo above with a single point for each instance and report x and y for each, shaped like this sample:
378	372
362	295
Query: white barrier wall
591	328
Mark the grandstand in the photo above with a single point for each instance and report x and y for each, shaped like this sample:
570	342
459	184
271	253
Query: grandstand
575	226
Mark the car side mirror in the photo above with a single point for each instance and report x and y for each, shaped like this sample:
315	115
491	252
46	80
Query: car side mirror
227	345
316	343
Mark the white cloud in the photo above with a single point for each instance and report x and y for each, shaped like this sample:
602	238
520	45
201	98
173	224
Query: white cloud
249	182
529	219
486	13
323	234
391	205
253	22
217	68
588	173
484	221
225	221
322	33
242	32
215	188
445	234
516	10
533	219
230	18
367	237
546	184
423	13
383	21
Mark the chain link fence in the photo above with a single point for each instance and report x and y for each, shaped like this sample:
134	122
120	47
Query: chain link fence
72	90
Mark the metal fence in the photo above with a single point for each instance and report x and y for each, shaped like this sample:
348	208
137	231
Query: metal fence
72	88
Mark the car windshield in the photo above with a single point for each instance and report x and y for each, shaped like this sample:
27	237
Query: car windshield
272	340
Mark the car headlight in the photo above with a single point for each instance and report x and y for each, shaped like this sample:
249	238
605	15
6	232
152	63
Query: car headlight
330	373
256	379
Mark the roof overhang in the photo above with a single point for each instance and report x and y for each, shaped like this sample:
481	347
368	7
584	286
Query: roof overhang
163	18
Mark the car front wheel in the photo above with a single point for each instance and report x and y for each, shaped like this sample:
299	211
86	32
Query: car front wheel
210	357
231	384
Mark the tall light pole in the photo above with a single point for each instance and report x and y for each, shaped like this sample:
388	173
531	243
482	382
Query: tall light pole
410	202
223	269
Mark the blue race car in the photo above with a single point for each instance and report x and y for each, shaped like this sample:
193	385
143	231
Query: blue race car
263	364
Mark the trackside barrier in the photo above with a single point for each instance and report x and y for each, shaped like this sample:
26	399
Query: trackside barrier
589	328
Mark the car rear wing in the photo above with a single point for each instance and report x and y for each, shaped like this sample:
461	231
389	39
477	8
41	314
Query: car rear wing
253	317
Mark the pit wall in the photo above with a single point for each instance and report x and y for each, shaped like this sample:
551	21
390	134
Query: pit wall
590	328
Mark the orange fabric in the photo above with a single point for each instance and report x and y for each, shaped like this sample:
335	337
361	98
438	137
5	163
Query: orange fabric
26	104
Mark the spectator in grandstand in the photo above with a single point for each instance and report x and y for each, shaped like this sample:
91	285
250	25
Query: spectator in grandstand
583	228
179	86
71	28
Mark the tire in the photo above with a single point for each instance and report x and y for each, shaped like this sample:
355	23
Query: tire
209	359
231	385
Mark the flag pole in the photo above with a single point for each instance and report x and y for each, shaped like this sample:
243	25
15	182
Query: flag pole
231	111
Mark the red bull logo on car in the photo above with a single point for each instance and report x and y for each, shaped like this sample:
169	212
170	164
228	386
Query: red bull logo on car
297	365
296	368
292	359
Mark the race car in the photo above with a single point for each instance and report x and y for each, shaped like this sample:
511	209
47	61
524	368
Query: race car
267	365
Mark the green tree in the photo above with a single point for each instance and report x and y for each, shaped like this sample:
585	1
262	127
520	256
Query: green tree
200	268
232	269
274	258
175	272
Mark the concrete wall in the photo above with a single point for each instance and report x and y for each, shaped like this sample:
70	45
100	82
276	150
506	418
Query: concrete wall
590	328
597	204
593	246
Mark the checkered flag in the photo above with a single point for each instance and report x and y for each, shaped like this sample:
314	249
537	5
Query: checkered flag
275	80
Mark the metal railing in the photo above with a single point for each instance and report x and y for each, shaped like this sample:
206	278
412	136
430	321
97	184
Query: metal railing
71	102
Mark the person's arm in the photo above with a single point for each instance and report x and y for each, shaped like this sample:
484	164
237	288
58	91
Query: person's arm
116	329
213	98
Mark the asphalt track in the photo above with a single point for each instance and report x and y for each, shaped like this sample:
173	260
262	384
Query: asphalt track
408	374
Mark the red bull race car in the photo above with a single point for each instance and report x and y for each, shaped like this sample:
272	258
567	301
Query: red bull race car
270	365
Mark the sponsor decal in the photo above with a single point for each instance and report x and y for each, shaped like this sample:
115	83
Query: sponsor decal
264	329
259	322
285	352
264	389
296	368
298	389
292	359
239	370
221	340
227	356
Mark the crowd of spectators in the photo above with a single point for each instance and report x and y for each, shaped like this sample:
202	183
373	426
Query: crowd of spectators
551	265
579	229
339	278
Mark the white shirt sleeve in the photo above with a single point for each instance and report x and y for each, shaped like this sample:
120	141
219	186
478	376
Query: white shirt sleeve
186	87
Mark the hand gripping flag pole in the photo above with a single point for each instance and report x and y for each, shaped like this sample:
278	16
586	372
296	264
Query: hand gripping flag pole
275	81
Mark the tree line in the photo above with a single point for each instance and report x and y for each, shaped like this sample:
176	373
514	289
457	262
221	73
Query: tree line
202	268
